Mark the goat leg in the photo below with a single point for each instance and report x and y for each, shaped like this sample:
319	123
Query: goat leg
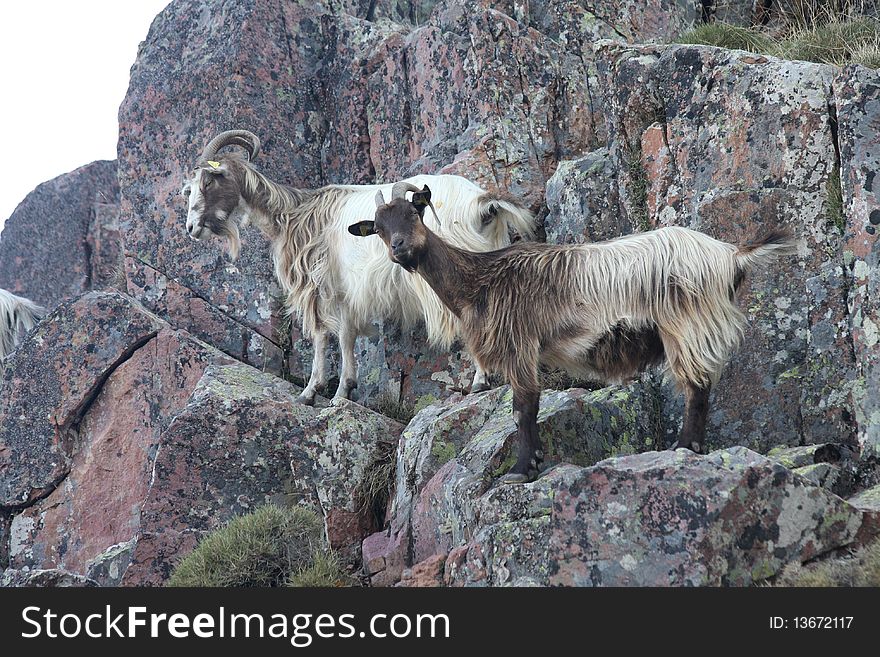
696	412
481	382
530	455
348	372
318	379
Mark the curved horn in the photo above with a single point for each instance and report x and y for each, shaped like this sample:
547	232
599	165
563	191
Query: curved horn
244	138
401	188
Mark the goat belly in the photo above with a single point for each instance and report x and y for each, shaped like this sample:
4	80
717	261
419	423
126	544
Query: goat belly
625	352
620	354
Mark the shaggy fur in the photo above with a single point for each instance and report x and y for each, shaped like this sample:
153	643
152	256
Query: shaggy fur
605	310
335	282
17	316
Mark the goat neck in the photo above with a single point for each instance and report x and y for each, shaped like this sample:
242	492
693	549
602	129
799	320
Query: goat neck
449	271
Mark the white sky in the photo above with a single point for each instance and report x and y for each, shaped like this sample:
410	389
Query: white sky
64	68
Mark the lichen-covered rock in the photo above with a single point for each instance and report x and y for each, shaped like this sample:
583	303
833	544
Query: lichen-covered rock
582	201
578	23
108	567
868	502
110	459
452	451
400	365
47	250
50	382
242	441
653	519
733	144
43	578
805	455
427	573
826	475
829	465
124	441
857	98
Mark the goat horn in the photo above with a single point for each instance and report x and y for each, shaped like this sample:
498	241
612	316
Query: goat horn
401	188
244	138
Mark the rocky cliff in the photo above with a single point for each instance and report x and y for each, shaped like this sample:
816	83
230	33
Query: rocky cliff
176	373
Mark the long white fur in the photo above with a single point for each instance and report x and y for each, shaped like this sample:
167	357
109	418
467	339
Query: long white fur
17	316
375	287
351	282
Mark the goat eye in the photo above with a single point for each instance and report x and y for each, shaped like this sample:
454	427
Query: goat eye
209	182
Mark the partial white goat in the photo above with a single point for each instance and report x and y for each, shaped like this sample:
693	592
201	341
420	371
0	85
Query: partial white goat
17	316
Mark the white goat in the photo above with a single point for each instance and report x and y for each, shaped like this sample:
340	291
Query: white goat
335	282
17	316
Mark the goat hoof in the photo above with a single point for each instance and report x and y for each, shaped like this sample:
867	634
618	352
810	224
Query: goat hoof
694	446
305	400
479	387
339	400
514	478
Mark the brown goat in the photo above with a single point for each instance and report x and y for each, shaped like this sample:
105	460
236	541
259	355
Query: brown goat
607	310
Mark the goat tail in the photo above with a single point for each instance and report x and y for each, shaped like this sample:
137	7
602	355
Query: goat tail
764	250
508	209
17	316
28	315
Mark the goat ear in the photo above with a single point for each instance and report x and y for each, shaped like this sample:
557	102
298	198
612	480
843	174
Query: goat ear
363	228
421	200
490	214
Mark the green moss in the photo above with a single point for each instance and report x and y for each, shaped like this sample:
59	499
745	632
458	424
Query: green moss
793	373
505	466
423	402
263	548
443	451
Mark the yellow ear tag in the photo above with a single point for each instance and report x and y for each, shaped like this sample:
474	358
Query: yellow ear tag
364	231
214	165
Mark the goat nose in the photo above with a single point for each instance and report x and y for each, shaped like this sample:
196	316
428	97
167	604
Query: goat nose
396	243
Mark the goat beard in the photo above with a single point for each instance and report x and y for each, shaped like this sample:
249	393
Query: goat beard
228	230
